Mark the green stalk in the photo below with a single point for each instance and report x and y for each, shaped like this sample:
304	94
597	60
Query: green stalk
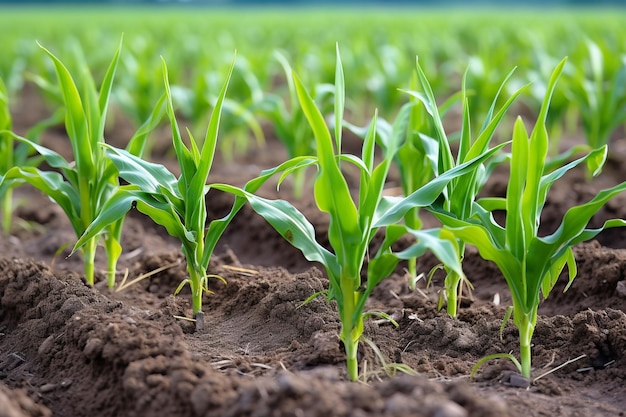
7	211
195	283
85	215
352	347
111	267
412	268
350	331
453	286
113	251
413	221
526	329
89	252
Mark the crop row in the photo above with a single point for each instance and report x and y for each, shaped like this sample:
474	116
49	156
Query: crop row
378	47
434	178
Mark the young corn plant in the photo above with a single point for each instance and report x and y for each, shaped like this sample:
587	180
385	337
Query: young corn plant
415	170
139	84
460	193
82	187
178	204
416	160
563	116
290	123
531	264
239	122
352	223
600	95
16	155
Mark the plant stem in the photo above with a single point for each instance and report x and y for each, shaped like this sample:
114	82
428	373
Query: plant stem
350	330
453	285
352	347
526	329
7	211
412	268
111	267
113	252
452	289
413	221
195	282
89	252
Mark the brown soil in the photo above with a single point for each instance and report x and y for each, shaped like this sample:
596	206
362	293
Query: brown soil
70	350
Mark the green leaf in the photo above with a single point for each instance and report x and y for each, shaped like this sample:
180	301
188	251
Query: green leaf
488	248
75	119
150	177
53	159
340	98
445	250
427	194
516	223
195	192
137	143
291	224
374	188
113	210
165	215
55	187
121	202
446	161
332	194
185	159
105	91
576	218
481	143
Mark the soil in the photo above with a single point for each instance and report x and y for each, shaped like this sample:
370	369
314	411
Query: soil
70	350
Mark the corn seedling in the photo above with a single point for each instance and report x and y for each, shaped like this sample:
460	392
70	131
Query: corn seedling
600	96
82	187
352	224
241	121
139	87
290	123
385	74
563	116
531	264
199	99
414	159
178	204
460	193
415	171
16	155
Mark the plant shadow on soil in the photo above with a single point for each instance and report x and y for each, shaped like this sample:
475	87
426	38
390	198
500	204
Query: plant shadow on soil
70	350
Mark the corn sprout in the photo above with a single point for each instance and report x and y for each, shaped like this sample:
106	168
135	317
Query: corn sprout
353	224
178	204
531	264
